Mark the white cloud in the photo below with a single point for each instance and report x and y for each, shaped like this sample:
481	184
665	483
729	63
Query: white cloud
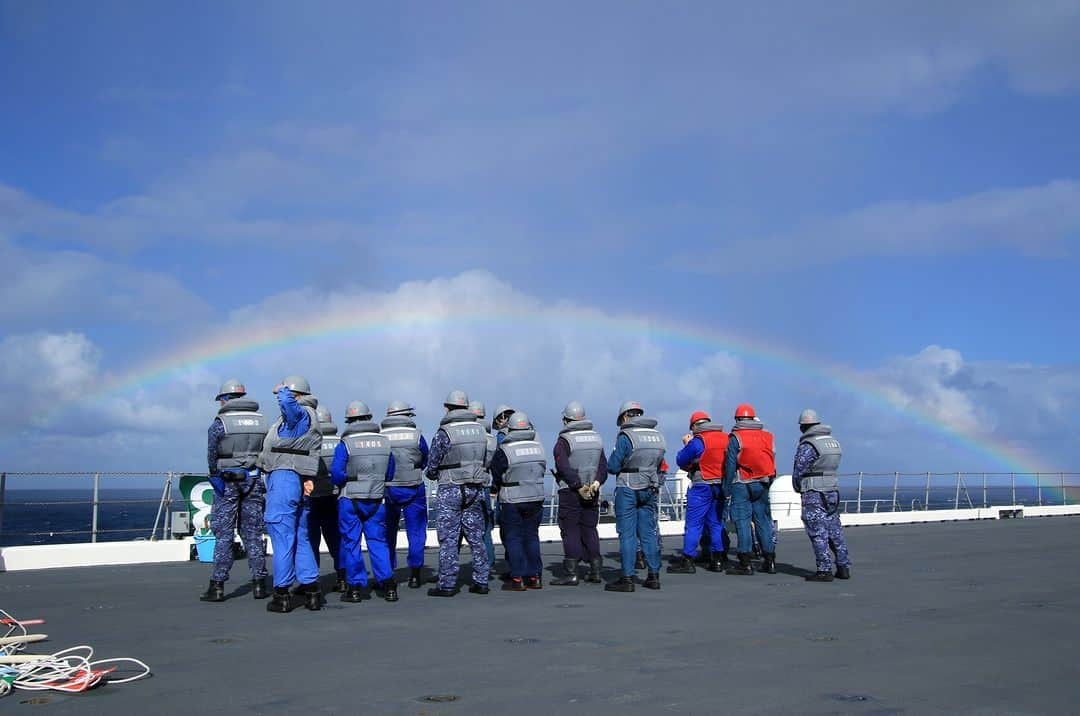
46	368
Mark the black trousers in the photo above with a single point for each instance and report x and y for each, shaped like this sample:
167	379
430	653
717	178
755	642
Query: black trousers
577	523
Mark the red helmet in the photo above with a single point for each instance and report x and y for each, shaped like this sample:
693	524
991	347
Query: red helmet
699	415
745	411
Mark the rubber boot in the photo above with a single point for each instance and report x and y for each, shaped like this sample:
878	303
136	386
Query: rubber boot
639	561
819	577
478	588
718	562
571	578
534	582
414	578
214	593
281	601
340	585
625	584
313	599
389	588
440	592
595	566
768	562
685	565
843	572
652	581
744	567
353	593
258	588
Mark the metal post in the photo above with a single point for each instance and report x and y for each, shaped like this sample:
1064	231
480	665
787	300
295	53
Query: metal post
167	527
984	491
3	486
926	497
895	484
858	503
94	514
1038	489
956	500
1012	481
1064	500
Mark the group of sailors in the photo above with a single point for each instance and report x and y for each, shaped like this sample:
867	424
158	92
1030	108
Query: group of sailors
304	483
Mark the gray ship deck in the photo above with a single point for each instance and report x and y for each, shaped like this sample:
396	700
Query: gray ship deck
951	618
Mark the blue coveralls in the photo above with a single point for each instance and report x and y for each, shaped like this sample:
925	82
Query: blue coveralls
412	502
820	515
244	497
358	517
287	508
635	515
749	502
704	505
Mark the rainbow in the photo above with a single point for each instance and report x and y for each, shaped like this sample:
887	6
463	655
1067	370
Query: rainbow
222	350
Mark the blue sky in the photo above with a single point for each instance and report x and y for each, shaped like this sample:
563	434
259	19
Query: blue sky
893	191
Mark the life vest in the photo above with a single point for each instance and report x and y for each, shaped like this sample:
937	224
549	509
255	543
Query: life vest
710	466
757	459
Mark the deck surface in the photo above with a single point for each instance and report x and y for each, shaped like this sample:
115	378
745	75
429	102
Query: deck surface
952	618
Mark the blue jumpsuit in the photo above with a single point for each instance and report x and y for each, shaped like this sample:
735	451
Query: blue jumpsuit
412	502
242	497
287	508
358	517
635	515
704	505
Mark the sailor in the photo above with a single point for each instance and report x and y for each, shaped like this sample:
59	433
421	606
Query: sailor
323	517
636	461
580	470
457	458
517	470
233	442
291	455
405	493
363	464
499	421
476	407
817	461
498	429
749	469
702	456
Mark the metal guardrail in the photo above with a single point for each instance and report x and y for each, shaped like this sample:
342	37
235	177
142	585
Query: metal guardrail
872	492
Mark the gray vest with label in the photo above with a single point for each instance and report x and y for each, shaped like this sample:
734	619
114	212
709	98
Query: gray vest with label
821	475
245	430
404	439
464	462
523	480
642	469
369	458
323	486
300	454
585	446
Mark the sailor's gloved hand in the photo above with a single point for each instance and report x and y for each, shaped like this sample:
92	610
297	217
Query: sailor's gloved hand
595	488
218	484
585	491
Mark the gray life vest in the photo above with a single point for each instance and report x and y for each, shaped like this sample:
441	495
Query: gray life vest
245	430
323	486
404	439
694	473
299	454
821	475
492	446
369	458
523	480
464	462
641	469
585	447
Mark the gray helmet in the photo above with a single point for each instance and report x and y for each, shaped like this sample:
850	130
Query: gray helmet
297	384
231	387
627	407
476	407
399	407
323	414
457	399
574	410
809	417
519	421
357	410
502	408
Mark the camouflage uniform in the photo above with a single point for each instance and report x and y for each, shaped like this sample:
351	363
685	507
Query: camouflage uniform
460	511
819	515
246	498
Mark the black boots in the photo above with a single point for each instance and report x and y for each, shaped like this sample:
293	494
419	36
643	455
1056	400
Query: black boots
594	570
214	593
625	584
652	581
571	578
718	562
685	565
478	588
744	567
258	588
281	601
414	578
534	582
353	593
340	585
819	577
389	590
313	598
639	561
843	573
514	584
440	592
768	562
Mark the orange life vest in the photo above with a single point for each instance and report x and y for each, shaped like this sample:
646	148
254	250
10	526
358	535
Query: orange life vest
757	459
711	463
